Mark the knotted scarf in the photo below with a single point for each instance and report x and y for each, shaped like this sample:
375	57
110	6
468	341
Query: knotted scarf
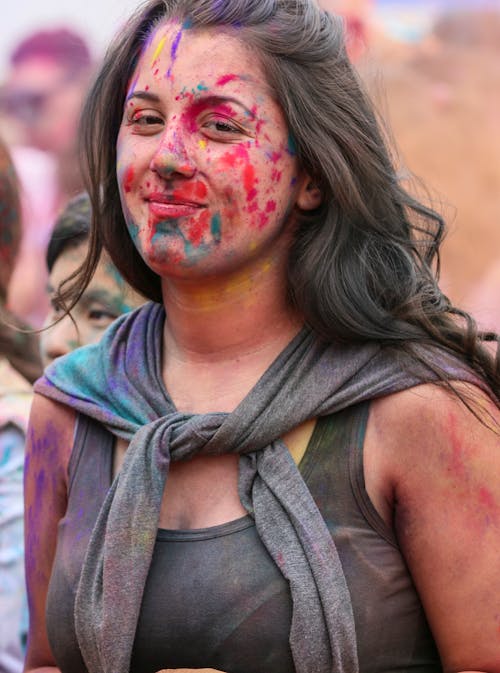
119	383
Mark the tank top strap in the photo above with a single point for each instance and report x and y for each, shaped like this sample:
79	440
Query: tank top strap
337	446
91	460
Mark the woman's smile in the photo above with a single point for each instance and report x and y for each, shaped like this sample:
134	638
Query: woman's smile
206	174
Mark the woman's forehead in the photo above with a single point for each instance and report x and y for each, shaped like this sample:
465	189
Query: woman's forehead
174	49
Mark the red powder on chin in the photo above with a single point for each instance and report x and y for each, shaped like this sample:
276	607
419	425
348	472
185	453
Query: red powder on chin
197	228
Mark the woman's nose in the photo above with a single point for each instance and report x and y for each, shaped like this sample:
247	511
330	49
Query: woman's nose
59	339
171	157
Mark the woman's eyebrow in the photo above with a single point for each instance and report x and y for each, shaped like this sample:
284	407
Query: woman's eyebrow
213	100
143	95
201	101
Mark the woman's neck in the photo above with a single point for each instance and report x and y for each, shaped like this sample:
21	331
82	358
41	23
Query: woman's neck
221	335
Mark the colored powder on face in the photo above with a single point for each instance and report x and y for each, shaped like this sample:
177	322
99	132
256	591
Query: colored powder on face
202	144
274	156
196	230
292	146
173	51
128	178
132	85
270	206
194	191
276	175
249	180
133	230
215	228
263	220
235	157
158	49
202	87
225	79
188	23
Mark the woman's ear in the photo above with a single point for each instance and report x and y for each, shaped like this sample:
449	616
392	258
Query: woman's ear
309	196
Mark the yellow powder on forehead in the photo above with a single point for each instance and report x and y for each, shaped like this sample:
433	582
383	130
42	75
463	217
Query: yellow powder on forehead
159	48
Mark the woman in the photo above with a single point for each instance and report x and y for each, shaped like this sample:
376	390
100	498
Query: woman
304	327
105	298
19	366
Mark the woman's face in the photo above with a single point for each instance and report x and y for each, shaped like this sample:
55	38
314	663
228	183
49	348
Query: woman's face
106	297
206	168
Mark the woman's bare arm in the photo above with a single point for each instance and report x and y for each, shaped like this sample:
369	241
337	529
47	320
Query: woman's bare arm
48	448
443	466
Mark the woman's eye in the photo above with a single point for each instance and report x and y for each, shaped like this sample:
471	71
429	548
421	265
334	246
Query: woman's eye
221	127
145	121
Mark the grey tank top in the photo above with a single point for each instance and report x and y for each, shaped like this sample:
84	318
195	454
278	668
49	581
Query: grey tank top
215	599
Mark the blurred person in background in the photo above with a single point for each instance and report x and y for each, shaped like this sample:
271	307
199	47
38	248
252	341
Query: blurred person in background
40	104
106	297
358	16
19	366
442	96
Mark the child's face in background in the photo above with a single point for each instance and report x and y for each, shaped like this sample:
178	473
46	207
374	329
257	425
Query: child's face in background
106	297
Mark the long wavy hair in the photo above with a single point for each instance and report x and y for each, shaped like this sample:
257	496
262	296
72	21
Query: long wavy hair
18	344
364	266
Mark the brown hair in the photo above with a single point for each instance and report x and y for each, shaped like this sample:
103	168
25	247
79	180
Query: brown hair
364	266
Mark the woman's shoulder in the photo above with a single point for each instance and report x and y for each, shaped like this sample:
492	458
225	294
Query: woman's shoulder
438	412
424	423
426	435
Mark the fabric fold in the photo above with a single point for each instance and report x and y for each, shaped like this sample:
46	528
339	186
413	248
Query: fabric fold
119	383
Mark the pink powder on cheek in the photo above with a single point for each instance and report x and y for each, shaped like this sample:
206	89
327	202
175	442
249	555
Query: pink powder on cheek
263	220
249	181
276	175
128	178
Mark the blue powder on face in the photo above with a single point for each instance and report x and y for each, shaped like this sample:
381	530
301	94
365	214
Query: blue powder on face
291	147
133	230
215	228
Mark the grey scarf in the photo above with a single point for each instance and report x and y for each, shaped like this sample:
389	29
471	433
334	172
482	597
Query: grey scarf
119	383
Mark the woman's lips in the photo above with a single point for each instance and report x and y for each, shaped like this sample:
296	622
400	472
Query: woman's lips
167	210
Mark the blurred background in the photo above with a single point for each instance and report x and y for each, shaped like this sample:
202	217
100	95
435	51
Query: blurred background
432	66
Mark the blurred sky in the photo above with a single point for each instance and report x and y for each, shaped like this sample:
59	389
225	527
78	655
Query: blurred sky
98	20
